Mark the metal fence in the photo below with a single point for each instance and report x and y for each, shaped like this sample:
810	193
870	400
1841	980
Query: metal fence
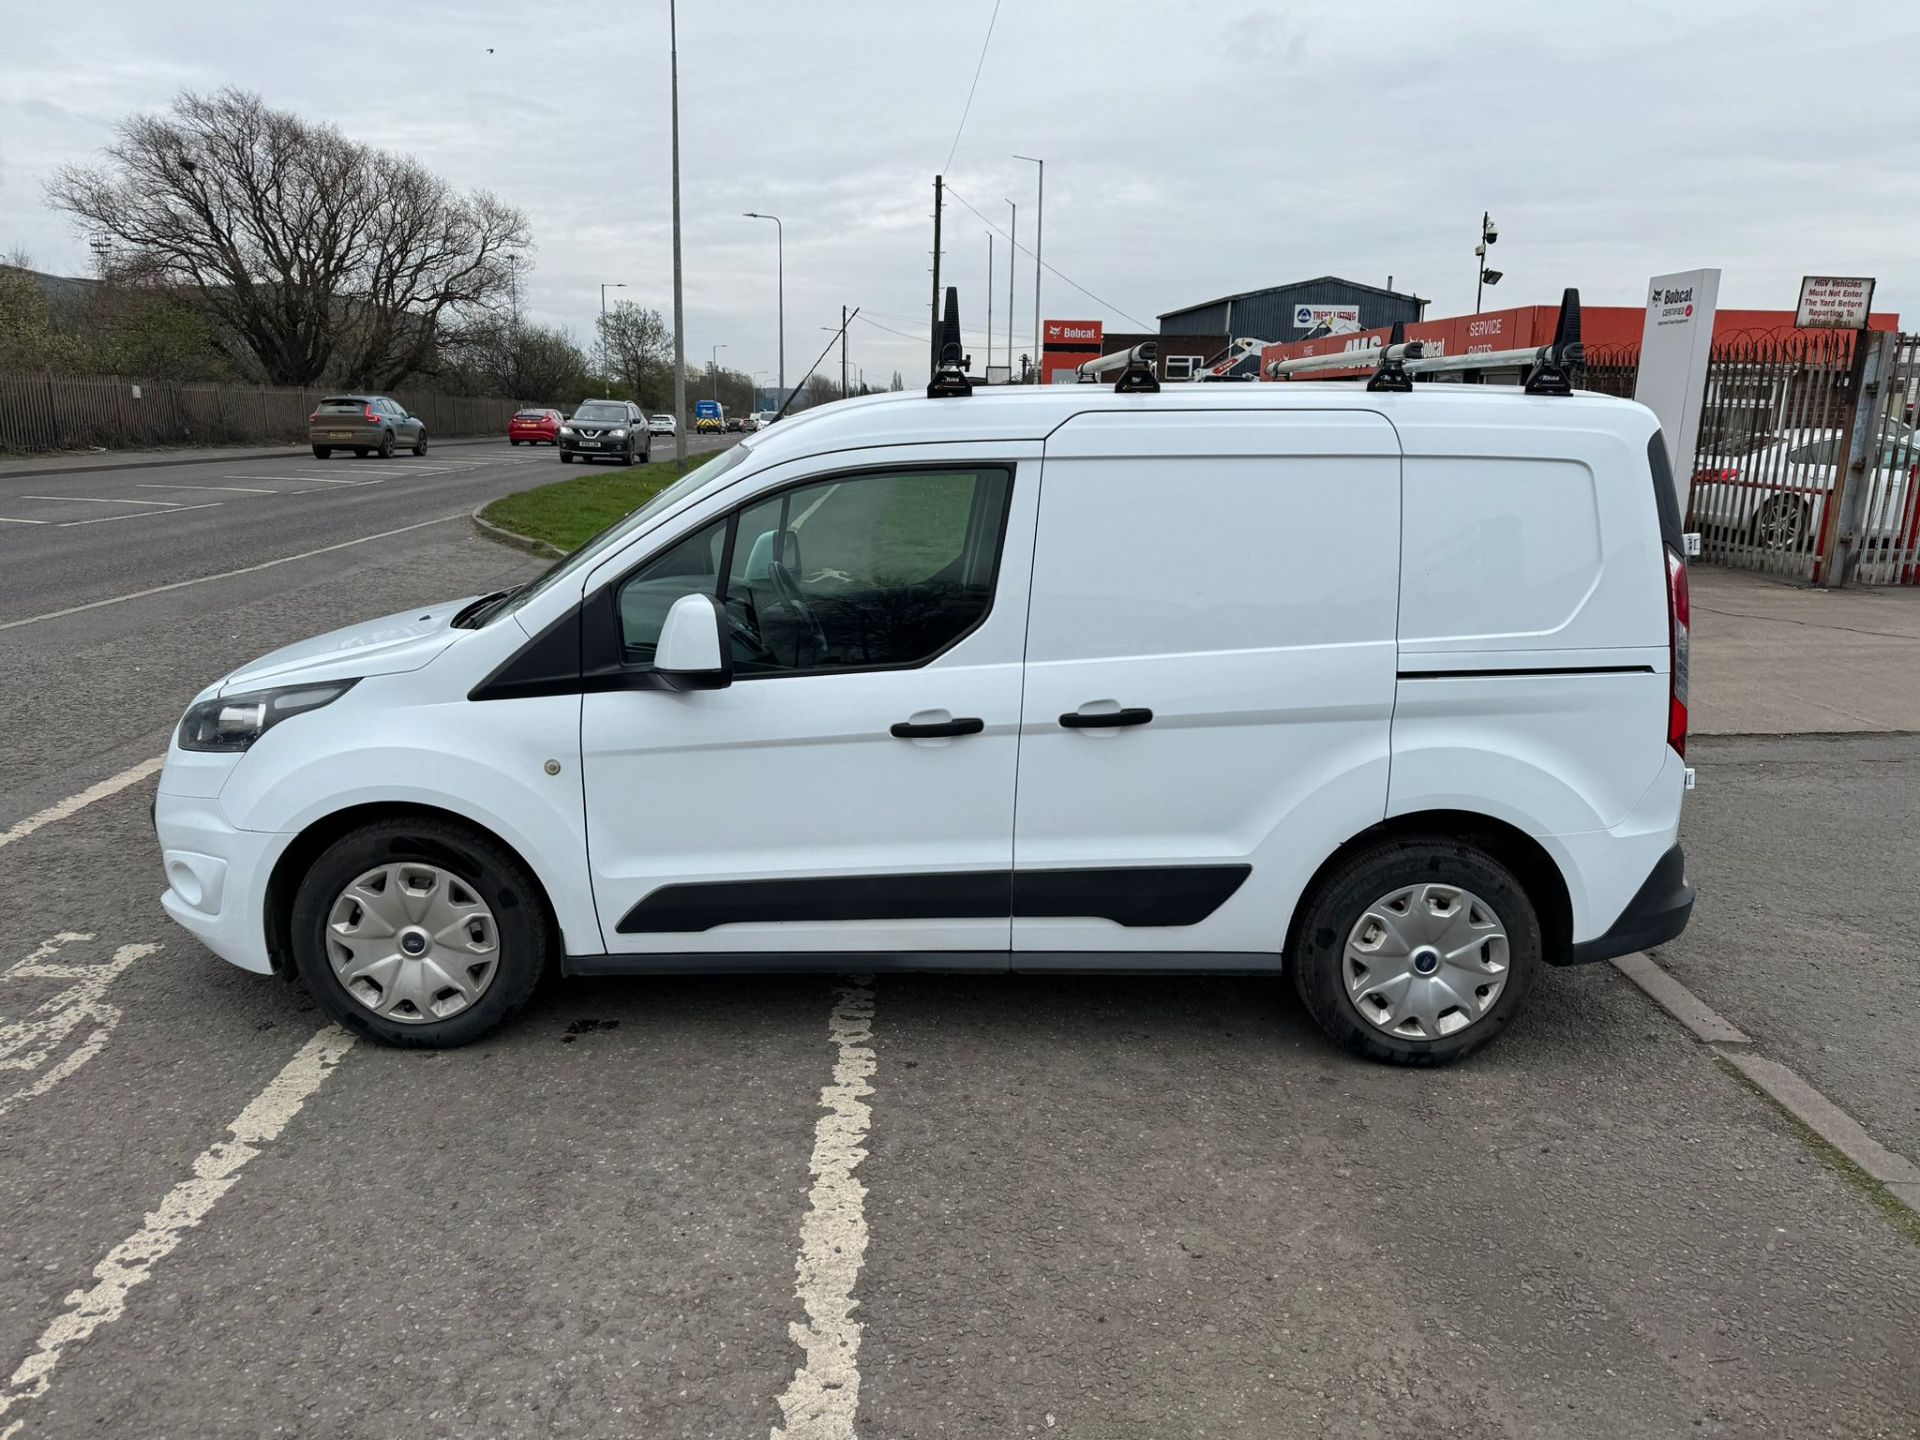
1779	482
52	412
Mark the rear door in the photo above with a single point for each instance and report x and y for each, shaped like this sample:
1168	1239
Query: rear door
1221	588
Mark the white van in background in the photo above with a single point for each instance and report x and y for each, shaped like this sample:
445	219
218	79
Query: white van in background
1387	690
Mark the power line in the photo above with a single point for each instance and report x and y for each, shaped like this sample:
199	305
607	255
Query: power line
978	67
1050	269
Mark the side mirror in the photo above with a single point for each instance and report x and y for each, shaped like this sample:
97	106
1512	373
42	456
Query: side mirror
693	653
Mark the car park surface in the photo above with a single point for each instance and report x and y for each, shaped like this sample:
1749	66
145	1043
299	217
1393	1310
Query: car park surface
1140	1206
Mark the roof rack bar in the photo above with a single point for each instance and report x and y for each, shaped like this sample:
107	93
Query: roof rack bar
1550	367
1136	367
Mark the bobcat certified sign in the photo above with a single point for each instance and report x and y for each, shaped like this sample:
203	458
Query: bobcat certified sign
1673	362
1834	302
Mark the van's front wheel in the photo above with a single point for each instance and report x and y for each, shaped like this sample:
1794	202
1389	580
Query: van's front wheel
419	932
1417	952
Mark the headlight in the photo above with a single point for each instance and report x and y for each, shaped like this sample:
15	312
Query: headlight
566	429
231	723
617	434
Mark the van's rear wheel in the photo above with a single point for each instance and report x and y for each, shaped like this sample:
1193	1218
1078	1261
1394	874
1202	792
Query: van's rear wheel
419	932
1417	952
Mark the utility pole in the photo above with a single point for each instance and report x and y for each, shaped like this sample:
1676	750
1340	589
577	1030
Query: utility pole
843	352
934	308
1013	248
679	311
1489	233
1039	230
990	299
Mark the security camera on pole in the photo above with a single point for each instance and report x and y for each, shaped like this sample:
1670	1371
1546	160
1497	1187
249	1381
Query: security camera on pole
1489	232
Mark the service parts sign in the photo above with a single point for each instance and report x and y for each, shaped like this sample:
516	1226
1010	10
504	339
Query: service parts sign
1673	362
1320	320
1834	302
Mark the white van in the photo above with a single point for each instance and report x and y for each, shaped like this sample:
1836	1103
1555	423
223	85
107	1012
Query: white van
1387	690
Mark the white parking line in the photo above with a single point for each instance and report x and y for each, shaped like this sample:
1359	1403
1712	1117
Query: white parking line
96	500
234	489
821	1400
132	1261
142	514
223	575
99	790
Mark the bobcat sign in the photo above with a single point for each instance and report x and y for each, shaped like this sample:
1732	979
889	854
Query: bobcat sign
1673	362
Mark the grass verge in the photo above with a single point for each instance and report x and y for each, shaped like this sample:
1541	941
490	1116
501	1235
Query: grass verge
1903	1219
570	512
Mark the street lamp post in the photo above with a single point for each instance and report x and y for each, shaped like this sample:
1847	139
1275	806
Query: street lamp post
1039	227
713	369
1489	233
780	252
679	311
1013	245
605	286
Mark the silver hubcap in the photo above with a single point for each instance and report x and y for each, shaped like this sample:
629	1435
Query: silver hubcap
412	943
1426	961
1780	524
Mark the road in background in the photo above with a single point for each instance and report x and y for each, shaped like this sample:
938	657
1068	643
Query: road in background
1123	1208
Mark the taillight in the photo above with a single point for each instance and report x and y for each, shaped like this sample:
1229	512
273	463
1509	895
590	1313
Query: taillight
314	416
1679	621
368	411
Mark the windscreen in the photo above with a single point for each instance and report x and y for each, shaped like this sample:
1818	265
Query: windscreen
600	410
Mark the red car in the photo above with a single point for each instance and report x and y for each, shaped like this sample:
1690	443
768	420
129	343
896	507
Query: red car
534	427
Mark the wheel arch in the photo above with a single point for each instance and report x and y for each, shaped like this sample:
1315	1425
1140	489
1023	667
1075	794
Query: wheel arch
306	847
1526	857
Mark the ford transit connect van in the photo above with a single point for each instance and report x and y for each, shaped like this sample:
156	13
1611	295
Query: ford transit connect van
1386	691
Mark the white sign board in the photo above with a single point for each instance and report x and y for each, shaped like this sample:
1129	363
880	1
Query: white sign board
1834	302
1327	319
1673	362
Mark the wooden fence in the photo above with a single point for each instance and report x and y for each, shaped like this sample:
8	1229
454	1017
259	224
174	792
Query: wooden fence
54	412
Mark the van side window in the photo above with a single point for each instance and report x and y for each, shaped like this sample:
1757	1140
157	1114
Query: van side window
858	573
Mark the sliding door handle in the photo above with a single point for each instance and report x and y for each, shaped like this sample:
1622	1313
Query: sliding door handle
1109	720
936	729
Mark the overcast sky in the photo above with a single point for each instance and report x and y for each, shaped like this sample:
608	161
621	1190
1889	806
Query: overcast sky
1192	149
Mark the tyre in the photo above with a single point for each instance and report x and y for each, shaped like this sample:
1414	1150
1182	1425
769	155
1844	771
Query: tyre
628	458
514	443
1781	523
322	452
420	445
386	445
1417	951
420	932
566	457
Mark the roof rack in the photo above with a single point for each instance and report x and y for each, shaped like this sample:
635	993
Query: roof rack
1135	365
1395	364
950	377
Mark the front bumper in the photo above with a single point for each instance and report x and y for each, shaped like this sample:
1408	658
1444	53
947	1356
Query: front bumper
217	877
1657	913
602	445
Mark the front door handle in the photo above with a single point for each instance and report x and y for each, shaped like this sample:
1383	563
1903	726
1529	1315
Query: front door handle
1111	719
936	729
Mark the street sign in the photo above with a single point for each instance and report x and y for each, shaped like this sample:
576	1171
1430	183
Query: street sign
1834	302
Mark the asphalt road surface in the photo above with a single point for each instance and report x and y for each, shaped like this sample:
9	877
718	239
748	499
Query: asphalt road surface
970	1207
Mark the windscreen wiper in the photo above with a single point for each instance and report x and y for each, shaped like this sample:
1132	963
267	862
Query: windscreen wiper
474	611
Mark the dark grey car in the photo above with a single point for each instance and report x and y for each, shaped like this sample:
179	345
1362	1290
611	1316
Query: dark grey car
366	425
607	430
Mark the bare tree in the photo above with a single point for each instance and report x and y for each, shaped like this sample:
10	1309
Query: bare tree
637	348
314	256
527	362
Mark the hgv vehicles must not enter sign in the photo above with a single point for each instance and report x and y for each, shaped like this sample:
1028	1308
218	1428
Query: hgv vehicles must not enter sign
1834	302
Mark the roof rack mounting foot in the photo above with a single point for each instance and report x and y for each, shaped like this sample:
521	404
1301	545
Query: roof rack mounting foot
950	377
1136	367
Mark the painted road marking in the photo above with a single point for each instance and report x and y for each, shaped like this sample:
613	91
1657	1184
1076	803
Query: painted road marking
9	520
142	514
184	1207
222	575
309	479
99	790
26	1045
96	500
821	1400
233	489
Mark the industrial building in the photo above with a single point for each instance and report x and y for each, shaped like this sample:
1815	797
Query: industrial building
1302	310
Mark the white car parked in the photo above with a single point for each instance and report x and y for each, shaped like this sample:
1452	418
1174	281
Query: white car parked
662	424
1387	690
1771	490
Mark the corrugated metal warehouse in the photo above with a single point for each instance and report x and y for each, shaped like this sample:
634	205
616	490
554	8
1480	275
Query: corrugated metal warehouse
1327	305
